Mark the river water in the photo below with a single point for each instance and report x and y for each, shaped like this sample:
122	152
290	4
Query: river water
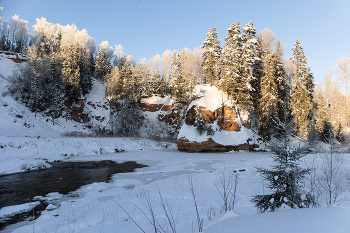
62	177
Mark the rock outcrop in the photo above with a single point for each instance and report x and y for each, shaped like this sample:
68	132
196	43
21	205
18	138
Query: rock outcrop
213	126
210	146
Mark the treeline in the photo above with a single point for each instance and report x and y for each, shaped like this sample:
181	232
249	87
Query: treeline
250	68
14	34
59	69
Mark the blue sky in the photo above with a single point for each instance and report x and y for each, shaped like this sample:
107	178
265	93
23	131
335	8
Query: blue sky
148	27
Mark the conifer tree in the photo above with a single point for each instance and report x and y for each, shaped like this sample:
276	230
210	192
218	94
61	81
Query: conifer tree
112	83
103	61
211	54
285	181
230	62
339	134
269	98
71	75
251	86
301	99
176	84
323	124
282	85
127	85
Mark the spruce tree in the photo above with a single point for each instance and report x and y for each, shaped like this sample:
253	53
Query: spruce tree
211	54
301	99
103	64
285	180
269	99
230	62
176	84
71	74
251	86
339	134
112	83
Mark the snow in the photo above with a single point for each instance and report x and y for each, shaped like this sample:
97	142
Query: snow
211	98
155	99
290	221
96	105
95	207
222	137
9	211
28	141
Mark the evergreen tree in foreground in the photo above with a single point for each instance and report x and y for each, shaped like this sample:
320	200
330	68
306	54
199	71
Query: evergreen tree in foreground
286	180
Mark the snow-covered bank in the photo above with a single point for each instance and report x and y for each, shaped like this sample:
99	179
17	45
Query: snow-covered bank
20	154
99	206
316	220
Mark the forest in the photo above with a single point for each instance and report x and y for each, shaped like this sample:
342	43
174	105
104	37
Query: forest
249	67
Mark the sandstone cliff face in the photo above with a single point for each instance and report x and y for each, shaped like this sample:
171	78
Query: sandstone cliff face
211	125
210	146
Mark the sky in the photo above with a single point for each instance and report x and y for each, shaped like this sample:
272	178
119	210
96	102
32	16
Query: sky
148	27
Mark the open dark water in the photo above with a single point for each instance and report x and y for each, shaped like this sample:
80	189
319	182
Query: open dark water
62	177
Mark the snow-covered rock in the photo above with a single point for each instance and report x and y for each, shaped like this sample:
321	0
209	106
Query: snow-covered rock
212	124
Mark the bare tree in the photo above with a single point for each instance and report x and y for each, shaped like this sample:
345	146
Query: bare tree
343	70
332	178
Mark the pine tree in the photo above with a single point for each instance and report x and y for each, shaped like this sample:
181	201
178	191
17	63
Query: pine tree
71	75
301	99
251	86
103	62
127	85
285	181
323	124
339	134
269	99
230	62
176	84
112	83
282	85
211	55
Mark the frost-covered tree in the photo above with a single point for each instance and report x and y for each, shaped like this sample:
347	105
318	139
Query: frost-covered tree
127	85
58	68
103	60
166	65
230	62
211	54
323	124
301	98
272	90
71	75
251	85
176	83
127	118
285	181
112	83
14	35
342	68
269	99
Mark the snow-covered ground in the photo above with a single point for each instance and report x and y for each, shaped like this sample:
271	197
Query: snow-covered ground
99	207
29	142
